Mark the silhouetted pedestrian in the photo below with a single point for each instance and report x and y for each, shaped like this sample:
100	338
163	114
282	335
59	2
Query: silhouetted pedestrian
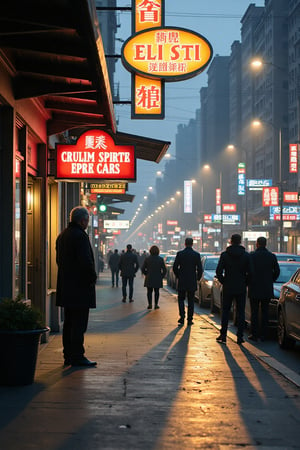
76	279
154	269
188	269
265	272
128	266
113	263
233	272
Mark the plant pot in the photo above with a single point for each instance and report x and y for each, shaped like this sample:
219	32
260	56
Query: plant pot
18	356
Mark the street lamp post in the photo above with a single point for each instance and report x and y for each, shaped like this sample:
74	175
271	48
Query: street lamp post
280	181
221	212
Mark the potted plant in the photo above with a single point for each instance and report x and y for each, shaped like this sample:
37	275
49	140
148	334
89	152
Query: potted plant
21	326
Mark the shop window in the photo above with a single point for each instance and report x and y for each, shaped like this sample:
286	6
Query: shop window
18	210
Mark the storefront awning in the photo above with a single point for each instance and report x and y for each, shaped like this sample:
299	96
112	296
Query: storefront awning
146	148
55	54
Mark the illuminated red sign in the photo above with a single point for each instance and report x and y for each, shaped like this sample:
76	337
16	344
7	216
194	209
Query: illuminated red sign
293	163
218	196
147	14
229	207
95	156
207	218
270	196
290	197
172	222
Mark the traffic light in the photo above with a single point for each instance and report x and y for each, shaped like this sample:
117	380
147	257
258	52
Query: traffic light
102	207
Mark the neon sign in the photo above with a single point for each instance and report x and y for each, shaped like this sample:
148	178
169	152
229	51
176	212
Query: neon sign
155	54
95	156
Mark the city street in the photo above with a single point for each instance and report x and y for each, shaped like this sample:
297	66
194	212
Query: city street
156	386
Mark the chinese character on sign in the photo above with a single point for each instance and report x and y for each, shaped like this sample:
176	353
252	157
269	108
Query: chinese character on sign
149	11
293	158
148	97
95	142
218	196
270	196
290	197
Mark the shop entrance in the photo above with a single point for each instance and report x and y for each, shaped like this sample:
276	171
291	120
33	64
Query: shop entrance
34	226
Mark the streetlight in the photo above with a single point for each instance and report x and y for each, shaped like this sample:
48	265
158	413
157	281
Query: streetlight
258	123
205	168
242	168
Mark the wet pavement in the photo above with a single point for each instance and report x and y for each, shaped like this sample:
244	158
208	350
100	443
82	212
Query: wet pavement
157	386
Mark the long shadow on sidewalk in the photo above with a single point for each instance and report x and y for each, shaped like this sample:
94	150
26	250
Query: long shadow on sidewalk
266	402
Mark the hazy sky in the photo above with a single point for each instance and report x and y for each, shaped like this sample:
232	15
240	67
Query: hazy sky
219	22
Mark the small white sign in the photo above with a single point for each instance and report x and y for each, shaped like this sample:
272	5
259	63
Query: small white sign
116	224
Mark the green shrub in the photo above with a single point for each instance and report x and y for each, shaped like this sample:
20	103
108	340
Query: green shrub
18	315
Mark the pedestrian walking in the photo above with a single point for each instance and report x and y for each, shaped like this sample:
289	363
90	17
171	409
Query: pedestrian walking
141	259
76	279
155	270
113	263
233	271
265	272
128	266
188	269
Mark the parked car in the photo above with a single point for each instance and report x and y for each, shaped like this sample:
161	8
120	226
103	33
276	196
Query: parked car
209	264
216	295
287	269
288	312
171	278
287	257
169	260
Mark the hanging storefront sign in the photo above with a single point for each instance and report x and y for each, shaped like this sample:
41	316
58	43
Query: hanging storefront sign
95	156
155	54
116	224
226	219
258	185
107	188
290	197
270	196
229	207
241	178
169	53
188	196
288	213
293	162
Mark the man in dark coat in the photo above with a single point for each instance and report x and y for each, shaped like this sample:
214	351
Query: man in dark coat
76	279
233	272
113	263
128	266
265	272
188	269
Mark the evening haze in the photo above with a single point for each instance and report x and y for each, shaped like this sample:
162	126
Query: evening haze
219	22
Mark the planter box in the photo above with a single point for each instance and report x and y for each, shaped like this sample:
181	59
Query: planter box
18	356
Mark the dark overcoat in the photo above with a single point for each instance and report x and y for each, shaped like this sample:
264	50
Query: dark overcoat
233	270
114	261
128	264
155	270
265	272
188	269
76	277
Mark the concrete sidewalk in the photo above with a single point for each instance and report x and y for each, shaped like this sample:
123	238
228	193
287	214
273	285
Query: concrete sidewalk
157	386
